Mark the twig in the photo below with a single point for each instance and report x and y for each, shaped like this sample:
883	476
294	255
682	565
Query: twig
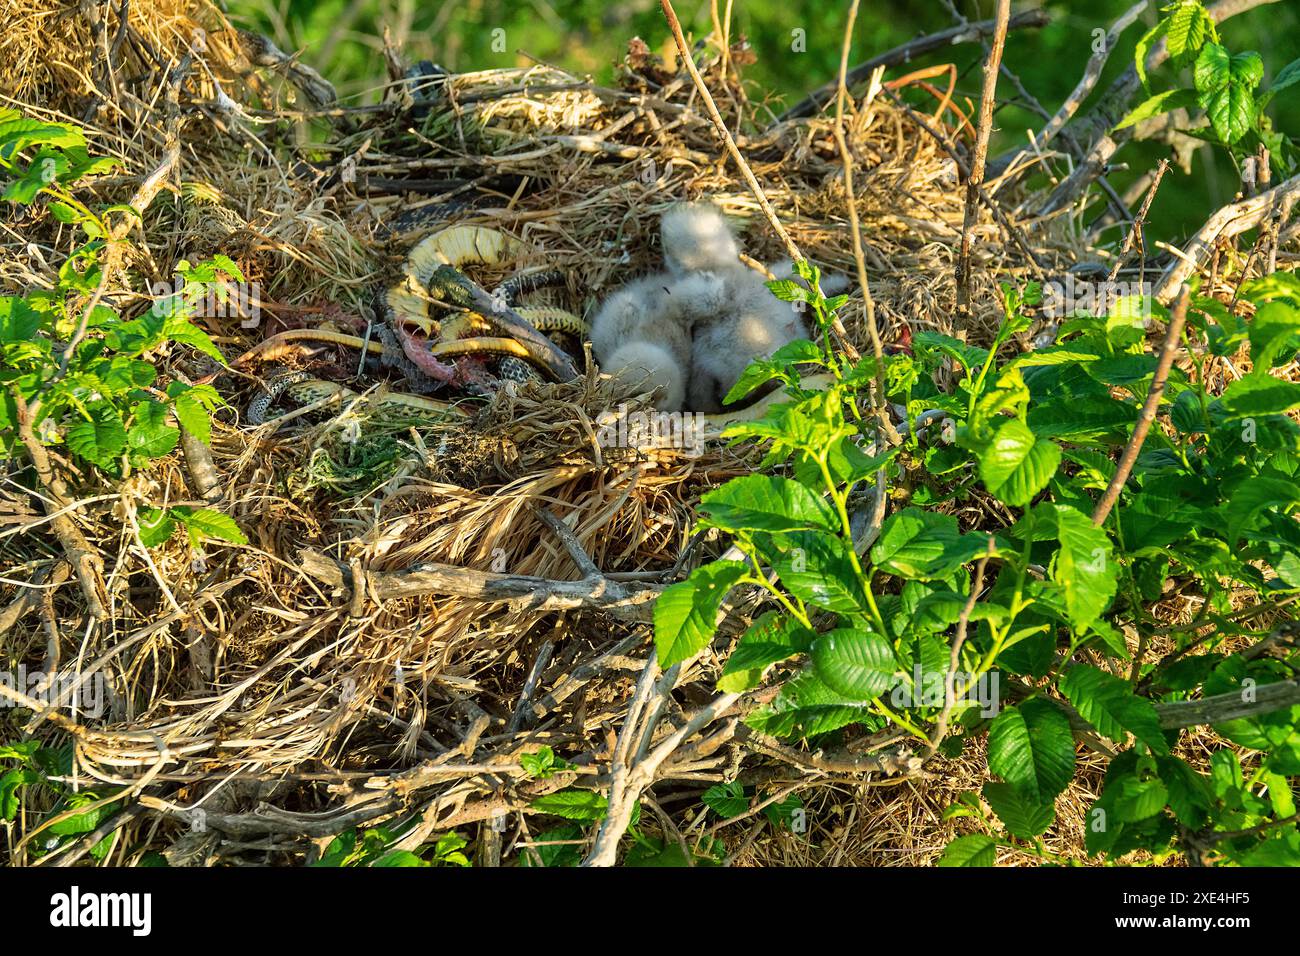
975	178
1135	235
1091	74
630	601
1231	220
964	33
1148	414
869	305
954	658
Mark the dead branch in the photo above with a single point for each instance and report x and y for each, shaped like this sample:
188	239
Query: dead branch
524	592
975	177
1231	220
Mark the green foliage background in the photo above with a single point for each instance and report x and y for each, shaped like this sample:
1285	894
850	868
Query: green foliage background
343	39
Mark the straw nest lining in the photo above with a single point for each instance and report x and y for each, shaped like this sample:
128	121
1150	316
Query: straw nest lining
261	685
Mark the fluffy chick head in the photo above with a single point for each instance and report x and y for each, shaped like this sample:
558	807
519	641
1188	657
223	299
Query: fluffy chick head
695	236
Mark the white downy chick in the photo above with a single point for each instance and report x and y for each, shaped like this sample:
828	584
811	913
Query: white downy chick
752	323
642	333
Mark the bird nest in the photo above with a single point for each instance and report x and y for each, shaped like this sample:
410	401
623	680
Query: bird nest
423	603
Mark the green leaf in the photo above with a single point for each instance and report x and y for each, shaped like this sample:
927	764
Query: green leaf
150	436
1160	103
1144	45
1084	567
856	663
766	503
1031	747
1289	75
727	800
1213	68
10	785
924	546
101	438
1189	27
1231	110
1109	704
1260	394
573	804
1137	799
686	613
769	640
1270	330
399	858
816	568
193	416
156	526
1253	495
1225	86
1016	465
207	523
787	290
1023	814
974	849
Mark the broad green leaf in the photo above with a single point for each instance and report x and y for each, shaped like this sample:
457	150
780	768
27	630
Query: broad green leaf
924	546
573	804
1225	86
727	800
1109	704
1023	814
1189	27
10	785
102	438
149	435
193	415
1158	104
1213	68
1016	465
1031	747
769	640
399	858
209	523
686	613
1272	327
806	707
766	503
156	526
1084	567
1253	495
1289	75
974	849
1136	799
1260	394
855	663
816	568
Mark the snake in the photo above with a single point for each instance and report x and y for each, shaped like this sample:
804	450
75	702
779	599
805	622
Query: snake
454	348
432	349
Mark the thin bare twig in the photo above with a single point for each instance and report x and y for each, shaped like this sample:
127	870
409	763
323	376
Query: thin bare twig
975	178
1168	350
